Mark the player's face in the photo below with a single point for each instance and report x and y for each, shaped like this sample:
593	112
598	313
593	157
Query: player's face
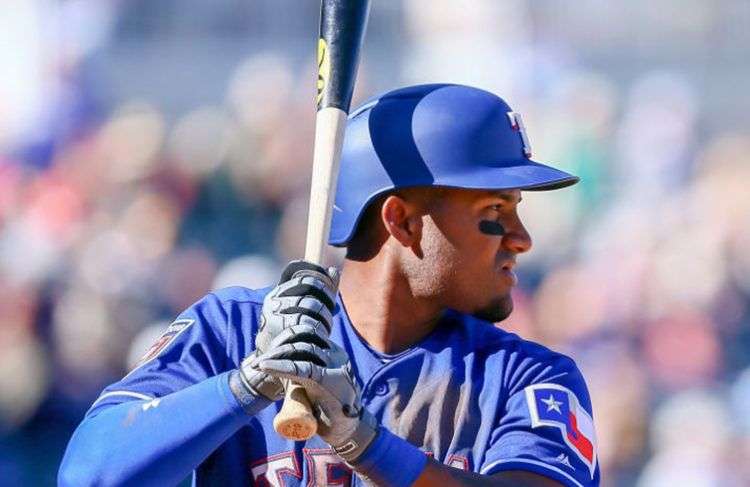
471	239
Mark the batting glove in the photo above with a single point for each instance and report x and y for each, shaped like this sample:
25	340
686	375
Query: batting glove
306	294
325	373
294	343
299	308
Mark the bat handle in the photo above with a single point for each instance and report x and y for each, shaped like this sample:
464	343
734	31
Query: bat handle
295	420
330	123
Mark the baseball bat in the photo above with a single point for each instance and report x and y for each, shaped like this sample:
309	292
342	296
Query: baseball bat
342	29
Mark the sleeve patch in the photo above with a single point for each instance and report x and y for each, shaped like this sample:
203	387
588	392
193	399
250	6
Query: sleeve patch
166	338
557	406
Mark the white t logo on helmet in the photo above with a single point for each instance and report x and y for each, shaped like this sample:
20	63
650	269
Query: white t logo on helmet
517	123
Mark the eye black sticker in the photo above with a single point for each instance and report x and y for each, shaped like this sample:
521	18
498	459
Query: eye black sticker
491	228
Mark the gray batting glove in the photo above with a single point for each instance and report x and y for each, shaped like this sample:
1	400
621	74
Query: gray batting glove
306	294
300	307
328	381
295	343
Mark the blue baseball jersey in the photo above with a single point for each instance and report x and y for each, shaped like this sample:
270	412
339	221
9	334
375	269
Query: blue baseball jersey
469	394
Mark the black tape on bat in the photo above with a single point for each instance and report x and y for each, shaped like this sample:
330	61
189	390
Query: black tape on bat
342	29
491	228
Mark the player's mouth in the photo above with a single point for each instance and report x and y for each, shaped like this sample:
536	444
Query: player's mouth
507	272
510	277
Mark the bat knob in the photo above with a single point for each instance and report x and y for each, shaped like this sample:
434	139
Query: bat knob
295	420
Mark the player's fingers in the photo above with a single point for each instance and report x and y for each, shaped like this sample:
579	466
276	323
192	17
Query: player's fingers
324	289
305	305
301	351
268	333
301	371
305	271
311	332
267	384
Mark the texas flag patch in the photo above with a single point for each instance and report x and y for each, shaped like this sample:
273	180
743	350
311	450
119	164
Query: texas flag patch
557	406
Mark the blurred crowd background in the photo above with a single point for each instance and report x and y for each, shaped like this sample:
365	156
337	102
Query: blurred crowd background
153	151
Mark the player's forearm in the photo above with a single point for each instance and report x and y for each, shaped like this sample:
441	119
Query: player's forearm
392	461
153	443
438	474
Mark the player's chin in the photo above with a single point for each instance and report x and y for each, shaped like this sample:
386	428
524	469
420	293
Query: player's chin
497	310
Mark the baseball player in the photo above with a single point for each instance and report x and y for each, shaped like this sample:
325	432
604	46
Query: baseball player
410	381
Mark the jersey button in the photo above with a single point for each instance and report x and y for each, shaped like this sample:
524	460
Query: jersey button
381	390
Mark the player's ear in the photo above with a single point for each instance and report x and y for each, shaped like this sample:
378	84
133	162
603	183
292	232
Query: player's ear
402	220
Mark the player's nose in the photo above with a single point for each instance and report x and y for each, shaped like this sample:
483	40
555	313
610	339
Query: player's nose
516	238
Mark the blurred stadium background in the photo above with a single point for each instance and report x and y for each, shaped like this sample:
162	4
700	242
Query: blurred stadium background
153	150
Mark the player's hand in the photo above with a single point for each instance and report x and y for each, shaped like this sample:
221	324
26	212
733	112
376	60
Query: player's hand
306	294
295	343
325	373
299	308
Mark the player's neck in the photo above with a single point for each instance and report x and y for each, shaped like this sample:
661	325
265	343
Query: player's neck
382	307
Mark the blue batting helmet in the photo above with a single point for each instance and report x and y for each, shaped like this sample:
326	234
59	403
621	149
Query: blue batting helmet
433	135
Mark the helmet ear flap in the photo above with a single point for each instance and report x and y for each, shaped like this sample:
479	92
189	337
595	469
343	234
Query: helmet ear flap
367	218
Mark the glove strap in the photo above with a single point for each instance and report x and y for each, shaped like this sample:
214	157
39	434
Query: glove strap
390	460
366	431
250	401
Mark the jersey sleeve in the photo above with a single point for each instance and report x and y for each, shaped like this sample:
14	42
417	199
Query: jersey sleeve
190	350
546	427
165	417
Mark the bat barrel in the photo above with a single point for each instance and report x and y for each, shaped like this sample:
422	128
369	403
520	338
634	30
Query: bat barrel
342	30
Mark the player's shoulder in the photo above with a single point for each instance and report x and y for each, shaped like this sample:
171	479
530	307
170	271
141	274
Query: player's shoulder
222	308
239	294
486	337
521	361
